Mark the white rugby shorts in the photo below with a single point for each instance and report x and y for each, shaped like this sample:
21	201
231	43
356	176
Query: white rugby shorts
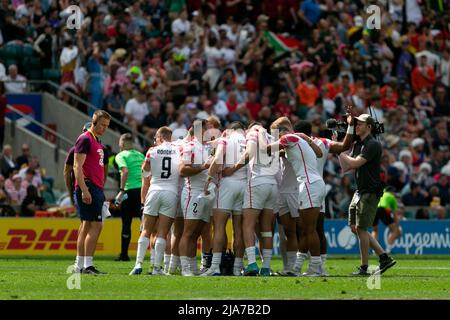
161	202
263	196
288	203
311	195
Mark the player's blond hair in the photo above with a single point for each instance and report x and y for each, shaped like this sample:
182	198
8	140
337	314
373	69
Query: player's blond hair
165	133
99	114
281	122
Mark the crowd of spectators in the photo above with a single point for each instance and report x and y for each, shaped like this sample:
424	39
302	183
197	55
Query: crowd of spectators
24	188
153	62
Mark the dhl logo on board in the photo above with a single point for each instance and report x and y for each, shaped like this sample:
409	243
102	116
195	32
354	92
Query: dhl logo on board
56	236
51	239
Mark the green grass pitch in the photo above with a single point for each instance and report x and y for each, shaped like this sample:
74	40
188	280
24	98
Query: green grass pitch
45	278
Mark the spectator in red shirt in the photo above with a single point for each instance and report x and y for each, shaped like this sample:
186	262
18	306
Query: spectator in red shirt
423	76
253	106
282	107
389	101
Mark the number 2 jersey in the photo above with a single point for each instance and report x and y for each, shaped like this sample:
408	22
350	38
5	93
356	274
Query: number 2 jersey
164	161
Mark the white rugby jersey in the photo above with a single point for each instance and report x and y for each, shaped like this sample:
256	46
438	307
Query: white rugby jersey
179	143
164	161
196	154
302	158
324	145
233	149
288	180
262	168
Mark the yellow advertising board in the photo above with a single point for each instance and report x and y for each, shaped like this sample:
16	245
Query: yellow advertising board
58	236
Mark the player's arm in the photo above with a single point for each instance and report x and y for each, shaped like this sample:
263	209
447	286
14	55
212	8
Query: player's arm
214	167
68	180
187	170
146	176
277	145
311	143
79	160
250	151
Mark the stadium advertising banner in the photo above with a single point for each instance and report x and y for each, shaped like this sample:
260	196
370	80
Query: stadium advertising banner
31	105
418	237
57	236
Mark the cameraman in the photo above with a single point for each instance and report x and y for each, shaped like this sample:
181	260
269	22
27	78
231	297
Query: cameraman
366	160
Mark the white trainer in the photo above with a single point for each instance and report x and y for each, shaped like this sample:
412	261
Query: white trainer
159	272
211	272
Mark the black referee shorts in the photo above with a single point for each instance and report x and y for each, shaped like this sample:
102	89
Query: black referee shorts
132	205
385	215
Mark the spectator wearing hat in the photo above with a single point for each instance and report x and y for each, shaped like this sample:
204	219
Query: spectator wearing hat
423	177
417	151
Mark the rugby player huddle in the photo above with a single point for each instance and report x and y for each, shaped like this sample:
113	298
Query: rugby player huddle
249	174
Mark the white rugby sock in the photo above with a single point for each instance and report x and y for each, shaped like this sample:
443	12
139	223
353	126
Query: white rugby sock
160	247
88	261
166	262
141	250
238	263
216	258
185	263
323	258
79	262
193	264
152	257
267	257
251	254
291	257
315	263
301	257
174	263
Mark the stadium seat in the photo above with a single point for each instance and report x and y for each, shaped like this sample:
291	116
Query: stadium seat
9	62
31	63
27	51
51	74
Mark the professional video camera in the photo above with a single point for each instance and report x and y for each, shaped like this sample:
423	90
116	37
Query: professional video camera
340	127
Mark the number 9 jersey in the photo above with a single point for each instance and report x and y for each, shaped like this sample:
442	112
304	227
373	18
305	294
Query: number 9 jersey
164	162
